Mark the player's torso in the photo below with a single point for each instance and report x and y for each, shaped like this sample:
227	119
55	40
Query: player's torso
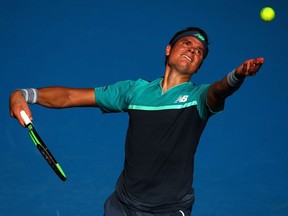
163	133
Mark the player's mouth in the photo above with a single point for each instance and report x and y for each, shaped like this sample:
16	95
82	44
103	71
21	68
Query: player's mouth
187	57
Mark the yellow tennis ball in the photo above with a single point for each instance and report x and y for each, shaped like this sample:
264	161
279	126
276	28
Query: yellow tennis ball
267	14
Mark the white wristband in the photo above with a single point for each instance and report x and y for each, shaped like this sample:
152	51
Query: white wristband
30	95
233	81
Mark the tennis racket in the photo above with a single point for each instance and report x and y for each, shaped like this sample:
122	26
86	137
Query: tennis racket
42	147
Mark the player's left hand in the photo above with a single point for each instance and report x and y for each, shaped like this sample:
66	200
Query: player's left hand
249	67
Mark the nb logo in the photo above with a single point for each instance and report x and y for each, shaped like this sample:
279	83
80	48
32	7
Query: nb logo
182	98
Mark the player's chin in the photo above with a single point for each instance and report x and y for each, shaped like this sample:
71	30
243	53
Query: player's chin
188	72
194	68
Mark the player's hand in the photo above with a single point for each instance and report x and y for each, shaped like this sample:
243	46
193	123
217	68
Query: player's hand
249	67
16	104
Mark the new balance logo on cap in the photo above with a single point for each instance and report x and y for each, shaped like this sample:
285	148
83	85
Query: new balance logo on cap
182	98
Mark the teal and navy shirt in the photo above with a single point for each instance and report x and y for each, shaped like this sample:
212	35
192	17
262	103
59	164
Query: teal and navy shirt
162	137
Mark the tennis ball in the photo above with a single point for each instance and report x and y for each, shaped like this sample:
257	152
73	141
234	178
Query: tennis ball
267	14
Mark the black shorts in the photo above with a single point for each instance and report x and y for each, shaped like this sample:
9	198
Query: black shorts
113	207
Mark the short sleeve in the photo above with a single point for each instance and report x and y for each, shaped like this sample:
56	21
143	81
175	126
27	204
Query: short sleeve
202	106
114	98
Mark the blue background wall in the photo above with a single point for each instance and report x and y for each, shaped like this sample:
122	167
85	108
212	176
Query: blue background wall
241	163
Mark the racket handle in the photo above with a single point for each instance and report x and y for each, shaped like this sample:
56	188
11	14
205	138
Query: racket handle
25	117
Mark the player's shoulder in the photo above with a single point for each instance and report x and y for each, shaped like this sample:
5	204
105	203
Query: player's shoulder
196	87
141	82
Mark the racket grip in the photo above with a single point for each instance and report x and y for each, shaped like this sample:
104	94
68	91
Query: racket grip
25	117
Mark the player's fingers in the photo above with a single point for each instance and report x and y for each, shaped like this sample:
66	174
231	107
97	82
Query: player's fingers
247	68
244	68
252	68
18	117
256	67
259	60
22	123
12	114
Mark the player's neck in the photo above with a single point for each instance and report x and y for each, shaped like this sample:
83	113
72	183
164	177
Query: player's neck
171	79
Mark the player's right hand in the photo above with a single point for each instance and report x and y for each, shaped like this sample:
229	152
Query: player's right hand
16	104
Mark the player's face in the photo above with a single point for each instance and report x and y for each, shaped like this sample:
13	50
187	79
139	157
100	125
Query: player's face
186	55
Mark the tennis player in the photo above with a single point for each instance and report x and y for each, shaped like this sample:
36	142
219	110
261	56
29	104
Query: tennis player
166	119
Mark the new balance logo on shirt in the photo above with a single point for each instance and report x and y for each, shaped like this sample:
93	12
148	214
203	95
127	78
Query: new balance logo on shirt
182	98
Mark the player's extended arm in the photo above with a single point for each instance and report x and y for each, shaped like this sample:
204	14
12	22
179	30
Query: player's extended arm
53	97
222	89
63	97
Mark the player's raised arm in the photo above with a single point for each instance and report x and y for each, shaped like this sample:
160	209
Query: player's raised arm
220	90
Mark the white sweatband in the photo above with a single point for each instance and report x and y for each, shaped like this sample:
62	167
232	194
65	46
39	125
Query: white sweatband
233	81
30	95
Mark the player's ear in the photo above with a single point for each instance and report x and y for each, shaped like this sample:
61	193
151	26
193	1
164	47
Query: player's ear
168	49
